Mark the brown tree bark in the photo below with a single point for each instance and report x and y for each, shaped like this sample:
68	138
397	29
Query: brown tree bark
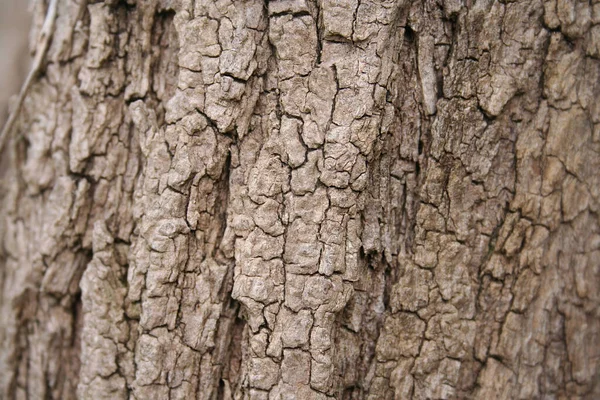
310	199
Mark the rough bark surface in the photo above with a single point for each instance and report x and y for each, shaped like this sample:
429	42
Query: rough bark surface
311	199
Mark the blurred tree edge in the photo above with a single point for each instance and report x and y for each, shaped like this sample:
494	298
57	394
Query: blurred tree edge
374	199
15	22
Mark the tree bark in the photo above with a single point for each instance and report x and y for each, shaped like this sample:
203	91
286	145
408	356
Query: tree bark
311	199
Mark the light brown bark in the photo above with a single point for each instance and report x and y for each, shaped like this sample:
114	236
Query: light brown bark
311	199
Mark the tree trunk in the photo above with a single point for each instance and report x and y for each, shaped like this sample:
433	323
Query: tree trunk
311	199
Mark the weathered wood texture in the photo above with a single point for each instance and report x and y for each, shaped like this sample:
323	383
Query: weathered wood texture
311	199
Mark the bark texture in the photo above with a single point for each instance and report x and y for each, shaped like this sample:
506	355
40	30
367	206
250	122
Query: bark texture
310	199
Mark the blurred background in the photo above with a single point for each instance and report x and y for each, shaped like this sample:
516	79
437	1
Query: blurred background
15	21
